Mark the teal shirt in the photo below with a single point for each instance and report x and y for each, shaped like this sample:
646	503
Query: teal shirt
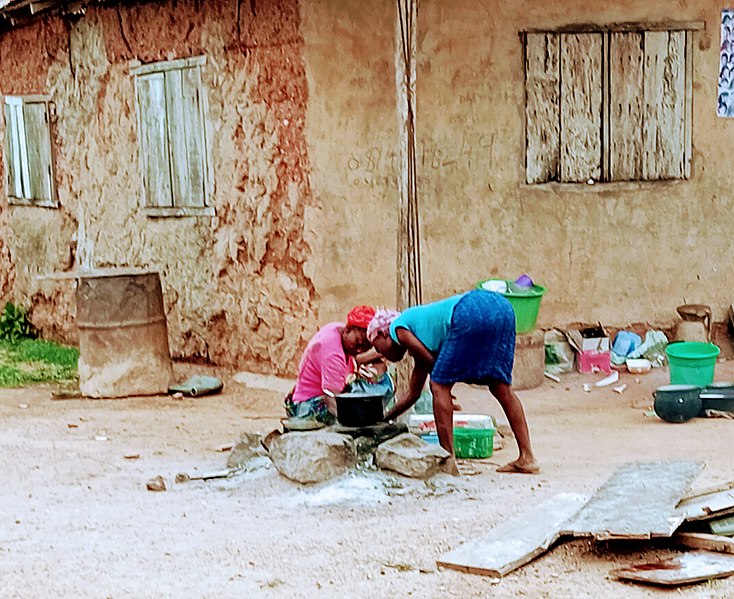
429	323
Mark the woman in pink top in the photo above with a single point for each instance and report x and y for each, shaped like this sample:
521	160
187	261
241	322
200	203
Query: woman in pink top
327	364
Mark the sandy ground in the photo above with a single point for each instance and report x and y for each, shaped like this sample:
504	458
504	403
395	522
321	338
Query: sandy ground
77	521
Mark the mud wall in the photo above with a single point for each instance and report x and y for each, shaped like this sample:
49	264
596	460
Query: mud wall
303	134
619	253
235	287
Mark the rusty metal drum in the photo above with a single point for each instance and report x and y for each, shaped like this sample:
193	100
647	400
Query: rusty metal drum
123	335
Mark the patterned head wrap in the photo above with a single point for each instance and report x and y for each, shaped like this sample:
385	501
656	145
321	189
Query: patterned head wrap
381	323
360	316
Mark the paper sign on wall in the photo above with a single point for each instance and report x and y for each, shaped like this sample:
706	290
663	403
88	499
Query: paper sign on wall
726	65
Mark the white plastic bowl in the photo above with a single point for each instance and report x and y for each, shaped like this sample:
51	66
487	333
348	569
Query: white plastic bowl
640	366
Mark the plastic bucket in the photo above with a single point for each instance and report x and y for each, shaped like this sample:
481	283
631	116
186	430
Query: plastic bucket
473	442
477	443
692	362
525	304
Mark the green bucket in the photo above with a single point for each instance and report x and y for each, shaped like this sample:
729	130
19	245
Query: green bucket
525	304
476	443
692	362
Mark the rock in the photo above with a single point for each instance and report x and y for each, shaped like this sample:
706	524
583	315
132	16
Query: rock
312	457
156	484
249	447
368	438
270	437
182	477
408	455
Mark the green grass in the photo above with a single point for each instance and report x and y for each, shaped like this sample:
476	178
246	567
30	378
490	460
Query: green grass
36	361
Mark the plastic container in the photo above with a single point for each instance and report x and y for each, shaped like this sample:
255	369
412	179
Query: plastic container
421	424
639	366
469	443
473	442
692	362
525	302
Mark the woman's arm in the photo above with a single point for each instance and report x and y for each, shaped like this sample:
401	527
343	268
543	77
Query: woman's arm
371	355
417	382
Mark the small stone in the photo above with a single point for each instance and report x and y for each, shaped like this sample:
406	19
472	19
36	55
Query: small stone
101	438
156	484
23	406
71	425
182	477
132	456
408	455
178	395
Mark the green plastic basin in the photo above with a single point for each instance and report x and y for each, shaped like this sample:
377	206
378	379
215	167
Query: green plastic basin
692	362
526	305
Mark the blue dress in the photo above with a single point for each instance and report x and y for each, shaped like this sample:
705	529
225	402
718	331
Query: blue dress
475	344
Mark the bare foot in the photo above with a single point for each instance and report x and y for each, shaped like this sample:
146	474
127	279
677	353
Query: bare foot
451	467
520	467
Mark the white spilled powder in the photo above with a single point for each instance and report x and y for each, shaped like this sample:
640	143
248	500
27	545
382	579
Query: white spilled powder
354	489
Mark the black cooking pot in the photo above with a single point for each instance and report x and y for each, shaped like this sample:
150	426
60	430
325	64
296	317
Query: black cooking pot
359	409
677	403
717	396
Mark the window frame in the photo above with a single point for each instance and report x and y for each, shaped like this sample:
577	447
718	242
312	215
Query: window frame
139	71
688	28
24	159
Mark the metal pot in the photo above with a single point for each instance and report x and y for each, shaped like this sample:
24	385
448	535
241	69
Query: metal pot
677	403
717	396
359	409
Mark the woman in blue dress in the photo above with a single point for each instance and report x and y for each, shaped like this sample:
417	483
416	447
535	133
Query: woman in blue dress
466	338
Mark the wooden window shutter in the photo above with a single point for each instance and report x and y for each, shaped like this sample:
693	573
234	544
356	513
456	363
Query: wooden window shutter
581	107
626	100
17	155
665	96
195	135
542	107
38	139
186	136
154	148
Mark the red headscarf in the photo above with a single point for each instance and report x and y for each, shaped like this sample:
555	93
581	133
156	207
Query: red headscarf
360	316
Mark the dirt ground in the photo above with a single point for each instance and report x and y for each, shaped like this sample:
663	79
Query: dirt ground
77	520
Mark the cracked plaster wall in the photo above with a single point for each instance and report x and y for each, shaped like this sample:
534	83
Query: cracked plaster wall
306	211
234	285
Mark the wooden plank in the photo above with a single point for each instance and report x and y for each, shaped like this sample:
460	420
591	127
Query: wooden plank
626	59
542	107
19	149
175	117
688	568
153	133
12	145
38	139
639	26
177	64
637	502
581	107
517	541
664	93
708	504
195	136
702	540
688	108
